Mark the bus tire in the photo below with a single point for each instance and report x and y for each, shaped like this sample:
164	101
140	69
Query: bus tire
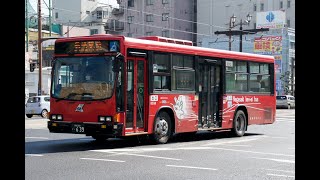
162	128
99	138
239	124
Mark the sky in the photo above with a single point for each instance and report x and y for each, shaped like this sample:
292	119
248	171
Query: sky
45	10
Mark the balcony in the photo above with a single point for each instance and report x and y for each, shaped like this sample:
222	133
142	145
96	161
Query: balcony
114	25
118	11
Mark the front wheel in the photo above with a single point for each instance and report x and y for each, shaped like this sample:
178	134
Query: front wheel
162	128
239	124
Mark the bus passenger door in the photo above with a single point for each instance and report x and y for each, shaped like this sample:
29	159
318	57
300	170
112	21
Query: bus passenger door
209	95
136	101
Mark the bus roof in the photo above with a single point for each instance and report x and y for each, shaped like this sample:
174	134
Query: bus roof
145	44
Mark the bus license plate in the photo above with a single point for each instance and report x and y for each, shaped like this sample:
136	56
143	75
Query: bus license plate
78	128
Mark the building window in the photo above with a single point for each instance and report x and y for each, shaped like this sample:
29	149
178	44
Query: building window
149	2
130	19
262	7
165	2
288	22
99	14
87	12
130	3
93	31
149	18
281	4
149	33
165	33
254	7
165	16
56	15
288	4
129	35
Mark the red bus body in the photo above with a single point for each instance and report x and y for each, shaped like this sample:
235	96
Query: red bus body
182	108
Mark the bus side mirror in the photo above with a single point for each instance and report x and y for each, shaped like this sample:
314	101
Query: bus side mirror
117	62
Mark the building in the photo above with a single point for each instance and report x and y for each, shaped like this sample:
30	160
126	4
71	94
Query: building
215	15
136	18
90	14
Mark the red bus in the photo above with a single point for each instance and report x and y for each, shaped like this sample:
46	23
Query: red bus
114	86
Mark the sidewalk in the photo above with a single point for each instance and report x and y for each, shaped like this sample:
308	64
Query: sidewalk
36	124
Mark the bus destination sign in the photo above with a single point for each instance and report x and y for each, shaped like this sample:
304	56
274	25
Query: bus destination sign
86	47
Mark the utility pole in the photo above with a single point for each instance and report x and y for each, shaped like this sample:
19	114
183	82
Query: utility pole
27	26
241	32
50	26
39	48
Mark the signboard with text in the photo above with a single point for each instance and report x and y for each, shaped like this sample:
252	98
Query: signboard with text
271	19
268	45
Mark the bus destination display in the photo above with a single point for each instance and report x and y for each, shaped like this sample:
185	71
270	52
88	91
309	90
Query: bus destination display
86	47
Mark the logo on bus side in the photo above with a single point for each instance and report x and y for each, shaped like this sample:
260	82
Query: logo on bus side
80	108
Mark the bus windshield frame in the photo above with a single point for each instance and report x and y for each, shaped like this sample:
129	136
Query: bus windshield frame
83	78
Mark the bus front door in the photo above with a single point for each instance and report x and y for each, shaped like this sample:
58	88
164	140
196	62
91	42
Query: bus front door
136	93
209	93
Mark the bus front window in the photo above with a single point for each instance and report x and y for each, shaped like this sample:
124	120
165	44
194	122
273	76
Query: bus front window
83	78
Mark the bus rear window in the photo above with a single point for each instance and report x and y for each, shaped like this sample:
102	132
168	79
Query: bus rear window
281	97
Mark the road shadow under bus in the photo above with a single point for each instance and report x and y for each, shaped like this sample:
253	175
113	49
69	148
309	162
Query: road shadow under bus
88	143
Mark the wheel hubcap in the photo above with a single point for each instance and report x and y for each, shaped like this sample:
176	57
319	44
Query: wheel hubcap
161	127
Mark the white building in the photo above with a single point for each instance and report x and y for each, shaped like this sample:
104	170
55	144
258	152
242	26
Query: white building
91	14
32	79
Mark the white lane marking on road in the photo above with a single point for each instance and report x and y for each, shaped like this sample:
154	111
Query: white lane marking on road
94	159
136	150
277	137
36	138
254	152
280	175
277	160
285	121
280	170
292	148
238	145
191	167
232	141
157	157
34	155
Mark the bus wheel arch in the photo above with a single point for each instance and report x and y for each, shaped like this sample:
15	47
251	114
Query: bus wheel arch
163	126
240	121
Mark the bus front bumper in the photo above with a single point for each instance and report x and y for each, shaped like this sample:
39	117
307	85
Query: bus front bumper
97	128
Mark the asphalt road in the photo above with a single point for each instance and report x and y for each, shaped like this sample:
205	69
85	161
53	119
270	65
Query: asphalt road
265	152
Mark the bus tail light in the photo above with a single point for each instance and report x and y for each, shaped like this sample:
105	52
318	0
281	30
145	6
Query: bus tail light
116	117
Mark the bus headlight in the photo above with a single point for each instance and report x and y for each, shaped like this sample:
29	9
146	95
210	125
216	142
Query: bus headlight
105	118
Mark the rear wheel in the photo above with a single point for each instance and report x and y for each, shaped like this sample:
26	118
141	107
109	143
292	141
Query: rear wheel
162	128
29	115
44	113
239	124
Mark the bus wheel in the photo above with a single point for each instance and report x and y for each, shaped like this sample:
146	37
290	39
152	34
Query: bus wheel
99	138
162	128
239	124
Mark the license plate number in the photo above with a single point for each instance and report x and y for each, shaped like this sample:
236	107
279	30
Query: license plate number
78	128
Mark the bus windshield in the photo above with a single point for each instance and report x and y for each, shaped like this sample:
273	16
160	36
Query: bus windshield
83	78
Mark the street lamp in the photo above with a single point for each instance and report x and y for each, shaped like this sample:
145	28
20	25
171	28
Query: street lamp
246	22
231	32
